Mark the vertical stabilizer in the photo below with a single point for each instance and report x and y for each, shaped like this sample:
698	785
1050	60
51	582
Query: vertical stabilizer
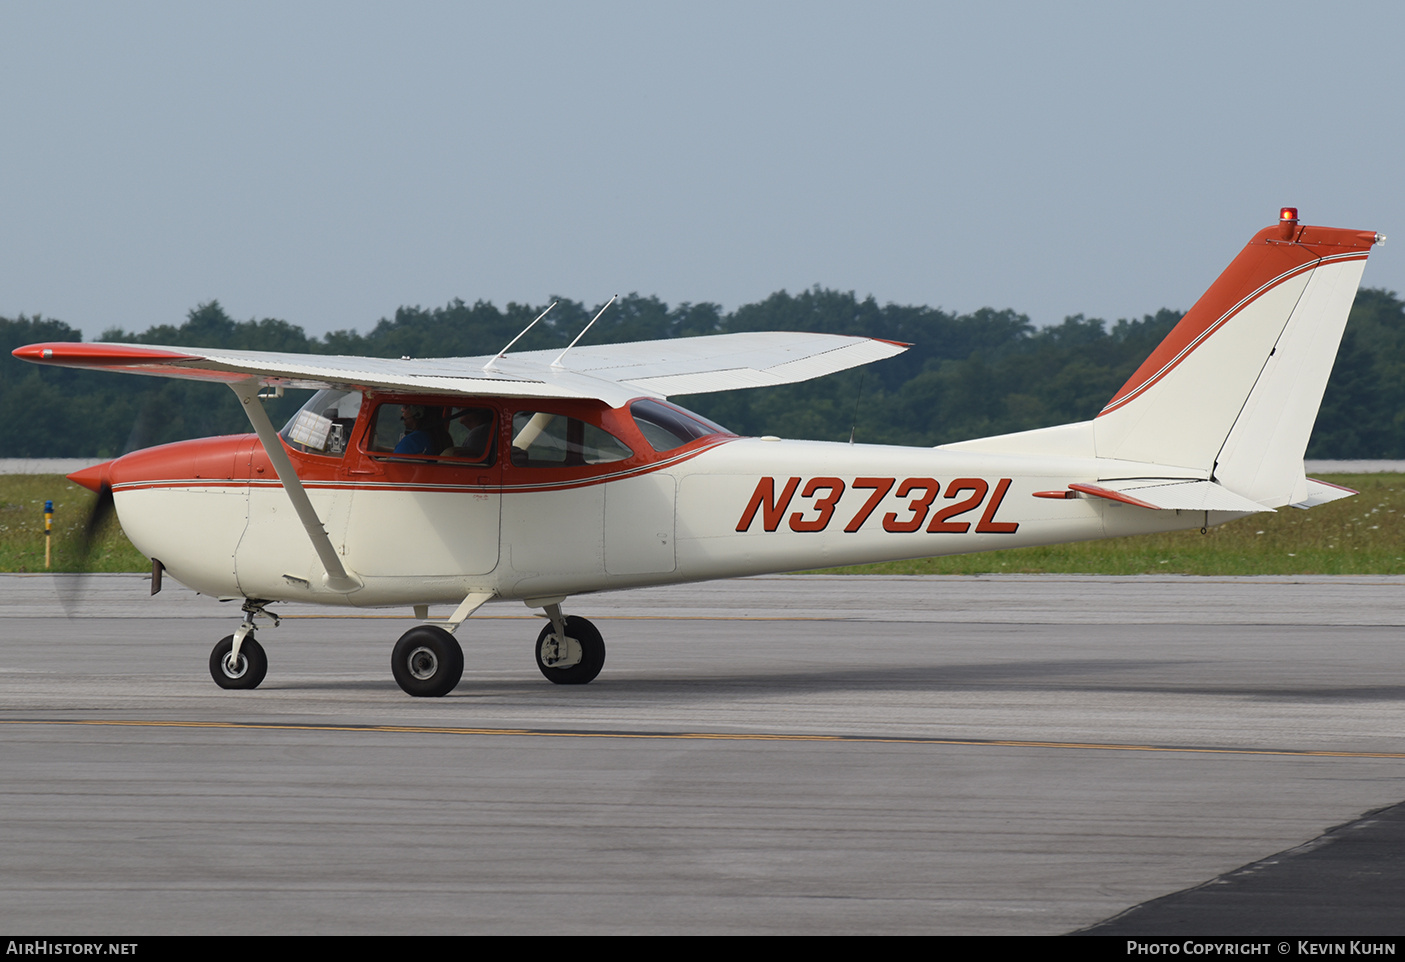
1234	389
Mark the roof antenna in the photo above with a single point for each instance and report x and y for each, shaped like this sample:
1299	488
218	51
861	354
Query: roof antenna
503	353
557	362
853	430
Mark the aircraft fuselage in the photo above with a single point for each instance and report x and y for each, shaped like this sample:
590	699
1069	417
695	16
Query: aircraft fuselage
432	531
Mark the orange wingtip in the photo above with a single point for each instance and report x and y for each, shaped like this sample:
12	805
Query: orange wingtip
75	352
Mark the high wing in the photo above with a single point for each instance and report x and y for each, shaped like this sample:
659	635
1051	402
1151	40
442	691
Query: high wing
613	373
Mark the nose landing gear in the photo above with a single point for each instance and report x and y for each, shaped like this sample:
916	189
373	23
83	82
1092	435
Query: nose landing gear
244	670
238	660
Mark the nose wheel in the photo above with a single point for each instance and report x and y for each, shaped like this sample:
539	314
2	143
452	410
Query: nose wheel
244	670
575	659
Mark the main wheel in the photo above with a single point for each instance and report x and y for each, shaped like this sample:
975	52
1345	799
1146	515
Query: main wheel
247	672
579	660
427	662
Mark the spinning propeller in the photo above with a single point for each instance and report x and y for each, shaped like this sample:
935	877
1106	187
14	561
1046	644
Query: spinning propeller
71	591
102	509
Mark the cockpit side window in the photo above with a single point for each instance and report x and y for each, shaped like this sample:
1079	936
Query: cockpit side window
433	432
541	439
323	425
473	431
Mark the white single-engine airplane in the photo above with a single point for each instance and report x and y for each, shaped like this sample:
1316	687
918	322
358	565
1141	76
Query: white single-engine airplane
538	476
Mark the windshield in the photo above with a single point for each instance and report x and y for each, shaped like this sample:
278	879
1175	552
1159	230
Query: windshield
323	425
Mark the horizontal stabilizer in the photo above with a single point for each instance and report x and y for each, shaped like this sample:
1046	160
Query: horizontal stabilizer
1321	492
1163	494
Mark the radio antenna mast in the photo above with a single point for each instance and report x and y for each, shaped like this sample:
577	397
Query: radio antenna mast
854	430
503	353
557	362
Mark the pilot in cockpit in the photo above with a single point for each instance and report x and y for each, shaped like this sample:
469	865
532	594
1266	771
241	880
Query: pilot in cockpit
418	438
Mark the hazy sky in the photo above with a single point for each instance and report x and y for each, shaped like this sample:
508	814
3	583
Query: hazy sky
325	163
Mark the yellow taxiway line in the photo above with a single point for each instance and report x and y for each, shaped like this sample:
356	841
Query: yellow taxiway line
702	736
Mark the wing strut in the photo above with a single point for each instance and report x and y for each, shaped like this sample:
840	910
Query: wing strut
336	577
474	601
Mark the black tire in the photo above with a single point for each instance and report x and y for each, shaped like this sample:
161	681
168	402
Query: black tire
592	653
427	662
252	667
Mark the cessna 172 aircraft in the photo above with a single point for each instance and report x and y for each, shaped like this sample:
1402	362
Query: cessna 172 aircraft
538	476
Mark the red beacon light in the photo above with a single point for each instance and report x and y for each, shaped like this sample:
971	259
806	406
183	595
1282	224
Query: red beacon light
1287	222
1288	215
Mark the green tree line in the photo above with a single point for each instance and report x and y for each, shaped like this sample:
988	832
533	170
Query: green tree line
967	375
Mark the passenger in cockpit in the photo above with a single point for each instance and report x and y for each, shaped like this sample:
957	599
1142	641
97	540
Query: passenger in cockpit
474	446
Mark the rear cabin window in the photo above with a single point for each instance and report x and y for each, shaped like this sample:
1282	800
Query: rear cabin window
666	427
541	439
433	431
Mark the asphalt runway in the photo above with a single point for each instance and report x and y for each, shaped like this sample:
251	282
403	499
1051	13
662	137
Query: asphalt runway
816	754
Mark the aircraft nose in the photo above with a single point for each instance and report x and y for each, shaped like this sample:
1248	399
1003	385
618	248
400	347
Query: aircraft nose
93	478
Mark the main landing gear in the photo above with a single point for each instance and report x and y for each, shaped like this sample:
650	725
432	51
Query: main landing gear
238	660
570	650
427	661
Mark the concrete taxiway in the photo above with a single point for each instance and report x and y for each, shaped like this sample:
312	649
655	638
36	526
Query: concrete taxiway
1009	754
